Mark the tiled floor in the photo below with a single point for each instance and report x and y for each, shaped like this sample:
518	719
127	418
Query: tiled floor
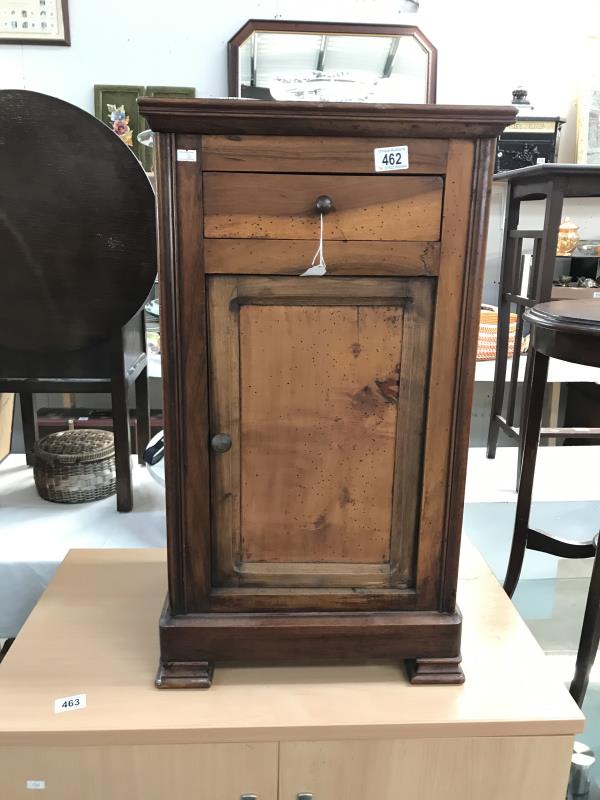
552	592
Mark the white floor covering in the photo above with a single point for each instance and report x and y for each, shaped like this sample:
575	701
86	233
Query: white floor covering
35	535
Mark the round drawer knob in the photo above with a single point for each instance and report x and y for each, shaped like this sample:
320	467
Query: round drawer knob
324	204
220	442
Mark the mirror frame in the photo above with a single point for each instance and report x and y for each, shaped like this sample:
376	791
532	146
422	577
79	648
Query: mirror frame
327	28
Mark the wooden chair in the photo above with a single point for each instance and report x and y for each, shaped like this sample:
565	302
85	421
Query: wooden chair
78	245
569	330
554	183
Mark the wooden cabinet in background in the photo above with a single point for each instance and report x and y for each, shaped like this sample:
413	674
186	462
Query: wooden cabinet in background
317	426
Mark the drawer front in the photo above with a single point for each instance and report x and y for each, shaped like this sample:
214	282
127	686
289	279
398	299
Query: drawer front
282	206
349	155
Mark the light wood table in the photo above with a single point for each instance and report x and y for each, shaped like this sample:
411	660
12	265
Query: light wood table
337	731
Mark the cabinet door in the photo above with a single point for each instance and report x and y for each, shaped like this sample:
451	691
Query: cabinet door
140	772
320	385
494	768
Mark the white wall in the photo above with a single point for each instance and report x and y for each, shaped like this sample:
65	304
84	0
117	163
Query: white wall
485	48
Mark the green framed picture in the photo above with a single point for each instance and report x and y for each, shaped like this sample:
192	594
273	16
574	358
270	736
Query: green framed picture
117	107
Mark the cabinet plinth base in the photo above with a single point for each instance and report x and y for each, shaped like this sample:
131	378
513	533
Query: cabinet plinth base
191	644
184	675
432	671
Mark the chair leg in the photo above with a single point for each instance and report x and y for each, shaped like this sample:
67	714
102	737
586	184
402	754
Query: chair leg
499	376
524	411
590	637
30	424
122	444
531	437
142	428
509	248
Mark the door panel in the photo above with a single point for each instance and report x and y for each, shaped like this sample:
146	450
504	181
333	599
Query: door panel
141	772
468	768
321	386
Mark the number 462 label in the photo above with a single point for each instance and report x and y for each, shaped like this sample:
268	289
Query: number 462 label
391	158
72	703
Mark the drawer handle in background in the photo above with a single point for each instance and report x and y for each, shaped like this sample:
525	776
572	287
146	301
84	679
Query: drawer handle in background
324	204
220	442
304	796
248	797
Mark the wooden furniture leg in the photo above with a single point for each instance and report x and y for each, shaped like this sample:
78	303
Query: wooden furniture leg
531	436
30	425
511	222
142	427
435	671
524	411
590	636
122	443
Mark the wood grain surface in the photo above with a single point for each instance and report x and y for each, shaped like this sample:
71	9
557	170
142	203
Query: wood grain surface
322	394
319	390
293	256
98	617
306	154
263	206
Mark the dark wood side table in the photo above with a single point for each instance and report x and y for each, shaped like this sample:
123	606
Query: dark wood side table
77	238
554	183
569	330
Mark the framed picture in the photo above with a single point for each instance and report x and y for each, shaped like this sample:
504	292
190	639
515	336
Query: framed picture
117	107
588	107
34	22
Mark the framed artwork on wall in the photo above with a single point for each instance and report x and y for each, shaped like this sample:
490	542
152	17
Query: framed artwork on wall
588	107
117	107
34	22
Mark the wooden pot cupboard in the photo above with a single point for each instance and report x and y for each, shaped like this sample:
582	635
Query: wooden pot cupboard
316	426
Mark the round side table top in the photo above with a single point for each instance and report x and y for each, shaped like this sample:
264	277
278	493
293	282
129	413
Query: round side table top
567	316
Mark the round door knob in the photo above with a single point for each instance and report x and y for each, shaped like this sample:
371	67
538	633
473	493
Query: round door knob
220	442
324	204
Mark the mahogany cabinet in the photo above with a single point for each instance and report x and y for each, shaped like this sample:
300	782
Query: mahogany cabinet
316	426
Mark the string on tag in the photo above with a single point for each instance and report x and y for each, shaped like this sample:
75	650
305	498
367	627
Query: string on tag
317	267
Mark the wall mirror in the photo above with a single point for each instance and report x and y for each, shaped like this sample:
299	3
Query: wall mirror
282	60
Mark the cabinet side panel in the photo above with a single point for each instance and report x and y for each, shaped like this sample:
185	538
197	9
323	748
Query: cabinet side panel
184	363
471	300
443	401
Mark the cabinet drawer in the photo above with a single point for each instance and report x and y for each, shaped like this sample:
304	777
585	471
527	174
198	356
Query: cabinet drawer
283	206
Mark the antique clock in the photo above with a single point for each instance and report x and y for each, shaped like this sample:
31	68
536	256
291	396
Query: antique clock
316	424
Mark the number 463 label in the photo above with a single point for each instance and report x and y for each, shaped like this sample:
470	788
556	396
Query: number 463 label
391	158
72	703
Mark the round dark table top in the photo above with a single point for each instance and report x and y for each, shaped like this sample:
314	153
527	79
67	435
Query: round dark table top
77	227
567	316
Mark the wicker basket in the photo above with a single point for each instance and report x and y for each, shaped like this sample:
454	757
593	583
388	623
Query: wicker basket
488	331
75	466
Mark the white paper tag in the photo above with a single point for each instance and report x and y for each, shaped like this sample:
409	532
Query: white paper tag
391	158
186	155
72	703
540	161
36	784
596	295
